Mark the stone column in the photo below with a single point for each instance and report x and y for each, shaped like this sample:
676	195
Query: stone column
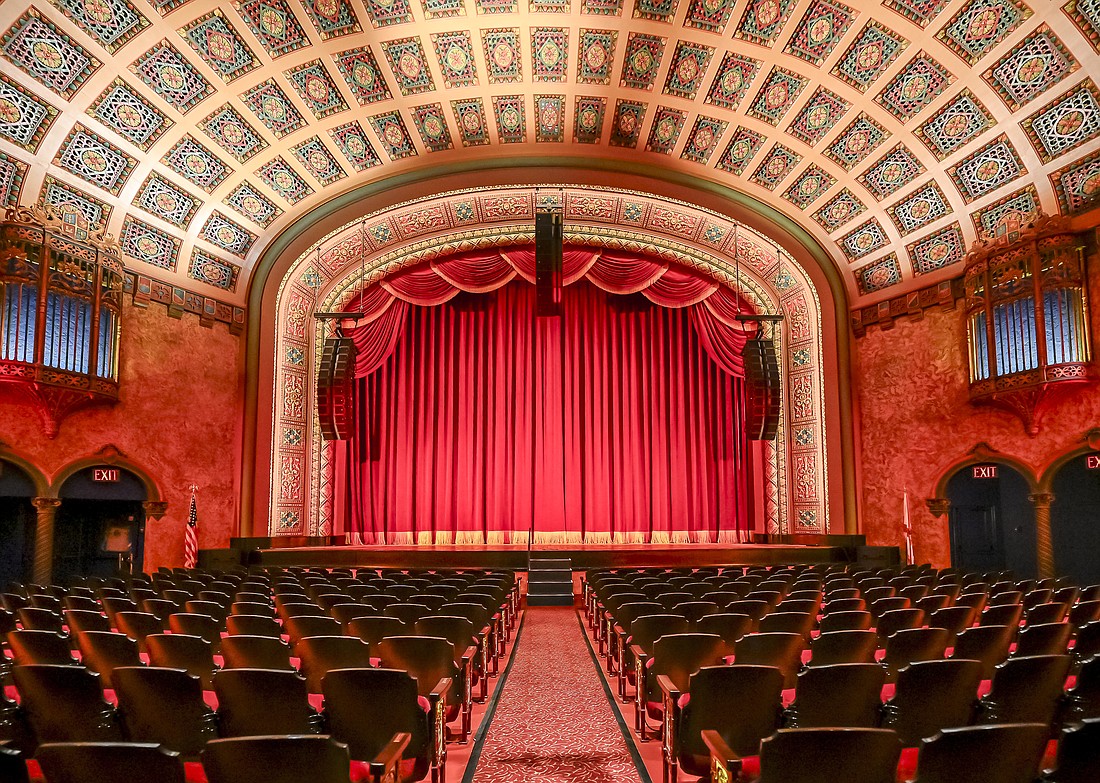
1044	544
43	538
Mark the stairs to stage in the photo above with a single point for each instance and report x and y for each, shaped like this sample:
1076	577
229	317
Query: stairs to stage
549	581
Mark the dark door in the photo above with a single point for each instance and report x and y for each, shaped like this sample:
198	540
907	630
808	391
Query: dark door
1075	521
100	528
17	520
977	542
991	522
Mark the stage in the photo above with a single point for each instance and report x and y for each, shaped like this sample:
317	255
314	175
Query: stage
801	550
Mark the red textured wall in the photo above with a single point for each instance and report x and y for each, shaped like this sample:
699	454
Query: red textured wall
178	418
916	422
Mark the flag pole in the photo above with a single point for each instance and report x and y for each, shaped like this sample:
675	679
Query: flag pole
907	529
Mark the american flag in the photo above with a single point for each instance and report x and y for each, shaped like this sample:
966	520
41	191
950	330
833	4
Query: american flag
191	535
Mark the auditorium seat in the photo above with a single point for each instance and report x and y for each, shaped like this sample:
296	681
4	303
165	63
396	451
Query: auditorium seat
677	656
988	644
889	623
321	654
96	762
138	625
1048	613
955	619
372	630
781	621
298	628
86	620
845	621
1082	701
728	625
257	608
201	625
1025	690
843	694
1002	614
911	645
36	619
65	704
252	625
288	759
930	696
346	612
165	706
257	702
105	651
836	647
255	652
1046	639
1008	753
39	647
1078	759
646	630
429	659
193	654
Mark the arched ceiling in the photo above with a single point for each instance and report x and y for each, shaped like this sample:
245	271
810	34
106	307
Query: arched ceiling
893	131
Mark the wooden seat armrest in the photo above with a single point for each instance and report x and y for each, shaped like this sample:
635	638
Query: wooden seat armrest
469	655
668	687
640	657
384	767
724	763
441	689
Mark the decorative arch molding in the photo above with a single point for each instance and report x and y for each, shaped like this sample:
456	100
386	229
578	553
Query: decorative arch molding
370	248
36	474
1091	445
113	456
983	453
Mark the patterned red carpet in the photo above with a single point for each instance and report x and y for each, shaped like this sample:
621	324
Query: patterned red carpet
553	721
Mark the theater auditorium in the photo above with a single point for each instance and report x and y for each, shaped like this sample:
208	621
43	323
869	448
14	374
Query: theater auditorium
477	391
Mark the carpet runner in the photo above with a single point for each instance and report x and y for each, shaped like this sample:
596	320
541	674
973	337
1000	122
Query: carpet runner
553	721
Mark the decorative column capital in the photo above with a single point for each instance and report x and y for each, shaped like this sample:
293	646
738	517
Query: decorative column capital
1041	499
43	504
155	509
937	506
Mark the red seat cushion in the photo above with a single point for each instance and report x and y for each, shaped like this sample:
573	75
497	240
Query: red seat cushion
907	764
750	769
193	772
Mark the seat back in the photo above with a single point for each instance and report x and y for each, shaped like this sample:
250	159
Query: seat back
39	647
781	621
931	696
255	652
914	644
889	623
742	703
196	625
843	694
86	620
1054	612
285	759
37	619
166	706
1008	753
457	630
138	625
366	707
65	704
986	643
681	655
781	650
1045	639
647	629
693	611
91	762
1025	690
105	651
298	628
372	630
321	654
955	619
1078	757
407	613
728	625
193	654
836	647
1002	614
846	621
817	755
259	702
427	659
252	625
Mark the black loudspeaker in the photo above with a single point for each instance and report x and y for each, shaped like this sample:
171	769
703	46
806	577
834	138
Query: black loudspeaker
549	237
762	388
334	387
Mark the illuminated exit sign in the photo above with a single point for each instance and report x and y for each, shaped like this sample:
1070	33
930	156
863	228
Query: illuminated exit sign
1092	461
985	471
105	475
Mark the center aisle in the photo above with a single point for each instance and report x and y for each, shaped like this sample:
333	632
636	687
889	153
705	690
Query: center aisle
553	721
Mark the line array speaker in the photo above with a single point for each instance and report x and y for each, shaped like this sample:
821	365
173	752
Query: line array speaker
763	388
549	238
334	387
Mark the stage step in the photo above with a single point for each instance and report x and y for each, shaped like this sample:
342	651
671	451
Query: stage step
550	581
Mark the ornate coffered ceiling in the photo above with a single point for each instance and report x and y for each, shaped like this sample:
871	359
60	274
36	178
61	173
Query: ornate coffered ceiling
893	131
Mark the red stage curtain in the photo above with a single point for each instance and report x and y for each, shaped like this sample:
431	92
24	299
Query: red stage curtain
611	424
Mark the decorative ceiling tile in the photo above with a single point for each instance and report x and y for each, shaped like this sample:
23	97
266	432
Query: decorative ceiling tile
391	131
456	58
942	248
24	117
12	174
36	46
318	161
657	10
233	133
442	9
818	116
1034	66
809	186
502	54
742	147
332	18
549	46
196	164
703	139
926	205
777	164
987	169
689	65
128	114
980	25
588	114
867	238
642	60
431	123
732	81
596	56
1024	201
112	23
869	56
956	124
819	30
271	106
383	13
777	95
626	128
224	233
253	205
862	137
213	271
602	7
838	210
1086	15
360	71
64	197
353	142
511	118
160	197
763	20
1065	123
667	124
496	6
548	6
220	45
893	171
172	77
142	242
920	12
274	24
410	69
709	15
285	181
469	114
95	160
917	85
878	275
165	6
550	118
312	82
1078	185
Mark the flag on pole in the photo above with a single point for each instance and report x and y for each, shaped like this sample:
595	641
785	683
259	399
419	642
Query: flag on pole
907	530
191	535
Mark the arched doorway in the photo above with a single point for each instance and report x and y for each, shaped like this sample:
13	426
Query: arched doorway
1073	520
100	526
17	518
992	524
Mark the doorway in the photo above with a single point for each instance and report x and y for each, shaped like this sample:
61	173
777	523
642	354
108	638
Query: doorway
100	526
17	521
1073	520
991	522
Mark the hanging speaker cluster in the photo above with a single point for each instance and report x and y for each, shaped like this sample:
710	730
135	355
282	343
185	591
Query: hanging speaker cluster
549	238
334	387
762	387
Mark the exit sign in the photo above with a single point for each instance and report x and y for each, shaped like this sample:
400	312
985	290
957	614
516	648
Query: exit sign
985	471
1092	461
105	475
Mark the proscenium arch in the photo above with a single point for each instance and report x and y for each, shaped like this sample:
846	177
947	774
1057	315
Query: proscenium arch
258	428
